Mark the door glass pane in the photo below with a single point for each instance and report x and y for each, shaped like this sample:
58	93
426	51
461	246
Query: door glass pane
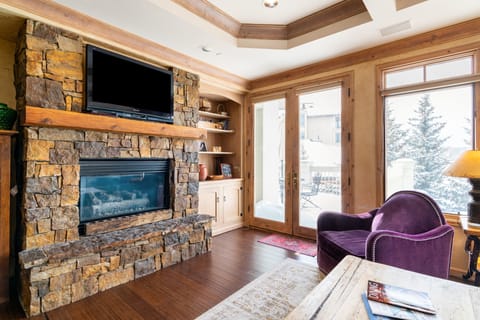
424	133
269	162
320	154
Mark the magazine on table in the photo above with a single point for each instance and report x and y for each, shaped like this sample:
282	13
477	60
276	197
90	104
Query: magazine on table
398	296
381	311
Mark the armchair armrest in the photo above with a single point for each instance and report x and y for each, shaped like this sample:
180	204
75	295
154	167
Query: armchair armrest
335	221
427	252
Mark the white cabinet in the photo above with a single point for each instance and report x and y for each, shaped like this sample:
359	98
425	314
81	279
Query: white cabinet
222	199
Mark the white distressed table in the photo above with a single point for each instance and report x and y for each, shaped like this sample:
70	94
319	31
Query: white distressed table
338	296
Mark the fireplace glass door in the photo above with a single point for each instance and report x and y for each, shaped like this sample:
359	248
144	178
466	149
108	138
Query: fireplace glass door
112	188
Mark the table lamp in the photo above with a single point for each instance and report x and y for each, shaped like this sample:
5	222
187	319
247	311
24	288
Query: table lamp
468	166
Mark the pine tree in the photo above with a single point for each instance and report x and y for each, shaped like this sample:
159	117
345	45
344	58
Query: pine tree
455	194
394	138
455	190
426	148
468	133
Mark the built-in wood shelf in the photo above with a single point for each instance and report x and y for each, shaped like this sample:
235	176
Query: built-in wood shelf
213	130
213	115
222	153
43	117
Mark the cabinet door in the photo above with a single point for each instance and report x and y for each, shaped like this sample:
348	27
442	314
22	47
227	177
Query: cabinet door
232	203
209	203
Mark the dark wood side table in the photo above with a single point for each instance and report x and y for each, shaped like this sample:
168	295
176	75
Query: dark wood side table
472	247
5	151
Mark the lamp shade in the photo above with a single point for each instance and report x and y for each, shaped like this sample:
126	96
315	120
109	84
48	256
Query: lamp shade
467	165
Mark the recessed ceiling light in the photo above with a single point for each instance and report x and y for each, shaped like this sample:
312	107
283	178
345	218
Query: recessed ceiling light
270	3
210	50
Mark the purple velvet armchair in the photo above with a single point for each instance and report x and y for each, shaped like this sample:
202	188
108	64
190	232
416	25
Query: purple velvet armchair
408	231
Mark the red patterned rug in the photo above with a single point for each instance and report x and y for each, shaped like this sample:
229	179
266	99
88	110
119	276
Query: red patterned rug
305	247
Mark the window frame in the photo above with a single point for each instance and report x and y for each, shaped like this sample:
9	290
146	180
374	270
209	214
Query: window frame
416	61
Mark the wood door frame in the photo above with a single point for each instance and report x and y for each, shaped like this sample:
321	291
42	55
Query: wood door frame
290	93
250	219
346	146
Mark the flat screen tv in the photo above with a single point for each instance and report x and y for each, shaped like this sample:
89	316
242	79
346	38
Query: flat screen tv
124	87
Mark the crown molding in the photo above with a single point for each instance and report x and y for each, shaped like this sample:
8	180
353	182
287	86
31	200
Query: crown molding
402	4
440	36
99	32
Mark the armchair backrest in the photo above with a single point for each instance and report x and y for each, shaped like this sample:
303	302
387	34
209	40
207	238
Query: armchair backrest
408	212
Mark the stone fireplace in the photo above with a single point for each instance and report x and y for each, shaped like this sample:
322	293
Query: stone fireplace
79	234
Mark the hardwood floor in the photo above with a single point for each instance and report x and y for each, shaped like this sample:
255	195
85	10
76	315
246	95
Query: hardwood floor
183	291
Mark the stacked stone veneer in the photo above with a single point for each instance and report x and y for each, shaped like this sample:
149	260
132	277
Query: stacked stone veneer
57	265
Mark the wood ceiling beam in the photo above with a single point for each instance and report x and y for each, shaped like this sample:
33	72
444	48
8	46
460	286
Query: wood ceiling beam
335	13
212	14
402	4
320	19
263	31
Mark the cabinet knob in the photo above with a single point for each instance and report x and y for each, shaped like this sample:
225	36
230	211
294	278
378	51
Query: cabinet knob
224	198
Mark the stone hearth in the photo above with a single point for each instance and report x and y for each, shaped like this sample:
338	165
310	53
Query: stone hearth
57	266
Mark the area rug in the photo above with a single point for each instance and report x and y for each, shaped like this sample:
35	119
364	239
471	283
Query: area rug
271	296
305	247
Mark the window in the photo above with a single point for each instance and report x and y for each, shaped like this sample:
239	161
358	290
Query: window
437	70
427	126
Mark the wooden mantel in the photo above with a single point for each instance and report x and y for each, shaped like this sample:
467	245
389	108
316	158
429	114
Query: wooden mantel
43	117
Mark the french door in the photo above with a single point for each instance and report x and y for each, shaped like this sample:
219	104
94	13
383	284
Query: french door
300	158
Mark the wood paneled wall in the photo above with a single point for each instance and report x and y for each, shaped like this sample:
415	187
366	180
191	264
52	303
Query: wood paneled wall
7	55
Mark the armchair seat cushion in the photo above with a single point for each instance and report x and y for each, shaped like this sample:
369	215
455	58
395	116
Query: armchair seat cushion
335	245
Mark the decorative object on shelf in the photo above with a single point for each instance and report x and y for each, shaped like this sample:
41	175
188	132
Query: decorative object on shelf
468	166
7	117
205	105
221	109
225	125
226	170
202	172
216	177
207	124
217	148
203	147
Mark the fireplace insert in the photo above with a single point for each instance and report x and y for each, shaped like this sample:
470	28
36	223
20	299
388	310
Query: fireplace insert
117	187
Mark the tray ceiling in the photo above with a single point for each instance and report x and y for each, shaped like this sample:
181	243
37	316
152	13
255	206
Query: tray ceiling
215	35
